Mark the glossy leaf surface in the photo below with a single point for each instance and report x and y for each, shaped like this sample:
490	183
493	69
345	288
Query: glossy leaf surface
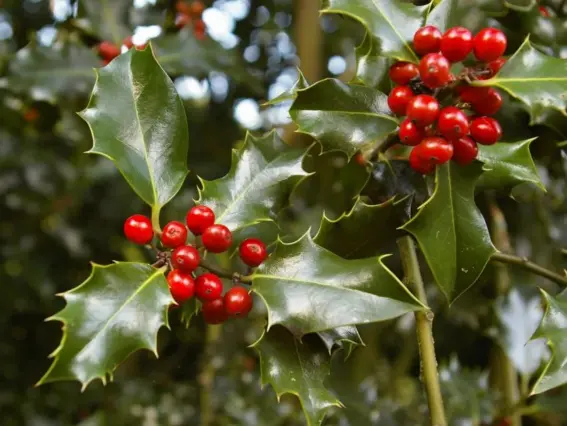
138	121
263	173
451	231
392	22
536	79
299	368
553	328
307	288
344	117
507	165
119	309
371	67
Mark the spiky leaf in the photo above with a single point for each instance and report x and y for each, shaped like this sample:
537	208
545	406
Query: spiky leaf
299	368
451	13
536	79
392	22
553	328
344	117
61	70
116	311
108	18
307	288
346	337
138	121
263	173
507	165
451	231
371	67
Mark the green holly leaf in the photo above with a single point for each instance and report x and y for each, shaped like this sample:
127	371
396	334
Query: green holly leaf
119	309
138	121
108	18
290	94
518	319
344	117
451	13
520	5
188	310
346	338
299	368
507	165
553	328
372	69
183	54
61	70
349	236
392	22
536	79
263	173
451	231
307	289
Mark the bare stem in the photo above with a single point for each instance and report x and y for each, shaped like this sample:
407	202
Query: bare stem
424	320
224	273
529	266
155	220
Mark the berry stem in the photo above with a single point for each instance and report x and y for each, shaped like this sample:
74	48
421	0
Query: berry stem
525	263
224	273
424	320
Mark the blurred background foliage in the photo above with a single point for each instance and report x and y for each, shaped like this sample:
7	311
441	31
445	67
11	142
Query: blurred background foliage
61	209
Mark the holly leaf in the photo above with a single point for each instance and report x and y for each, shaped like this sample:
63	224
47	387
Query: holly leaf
346	338
451	231
138	121
50	72
343	117
507	165
306	288
391	22
520	5
553	328
183	54
519	318
291	94
349	236
536	79
108	18
188	310
372	69
299	368
119	309
451	13
263	173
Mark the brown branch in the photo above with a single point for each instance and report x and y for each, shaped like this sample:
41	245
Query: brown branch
528	265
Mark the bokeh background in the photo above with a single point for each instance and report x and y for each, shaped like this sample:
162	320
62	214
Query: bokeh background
61	209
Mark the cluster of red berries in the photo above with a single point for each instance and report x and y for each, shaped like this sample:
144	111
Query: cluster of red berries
450	129
191	14
184	260
107	51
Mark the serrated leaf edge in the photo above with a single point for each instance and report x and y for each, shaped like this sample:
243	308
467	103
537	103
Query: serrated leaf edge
55	317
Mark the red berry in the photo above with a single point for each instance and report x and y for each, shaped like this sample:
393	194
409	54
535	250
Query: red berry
435	150
253	252
31	115
543	11
237	302
174	234
419	164
489	44
181	20
197	8
486	130
181	285
410	134
138	229
435	70
403	72
423	109
359	158
398	99
217	238
456	44
489	103
208	287
494	66
185	258
108	50
427	40
199	218
128	42
214	312
182	7
465	150
453	123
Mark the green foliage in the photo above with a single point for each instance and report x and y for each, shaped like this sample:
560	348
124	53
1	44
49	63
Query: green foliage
451	231
138	121
116	311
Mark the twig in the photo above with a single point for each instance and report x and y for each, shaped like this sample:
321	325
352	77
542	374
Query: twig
224	273
525	263
424	321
